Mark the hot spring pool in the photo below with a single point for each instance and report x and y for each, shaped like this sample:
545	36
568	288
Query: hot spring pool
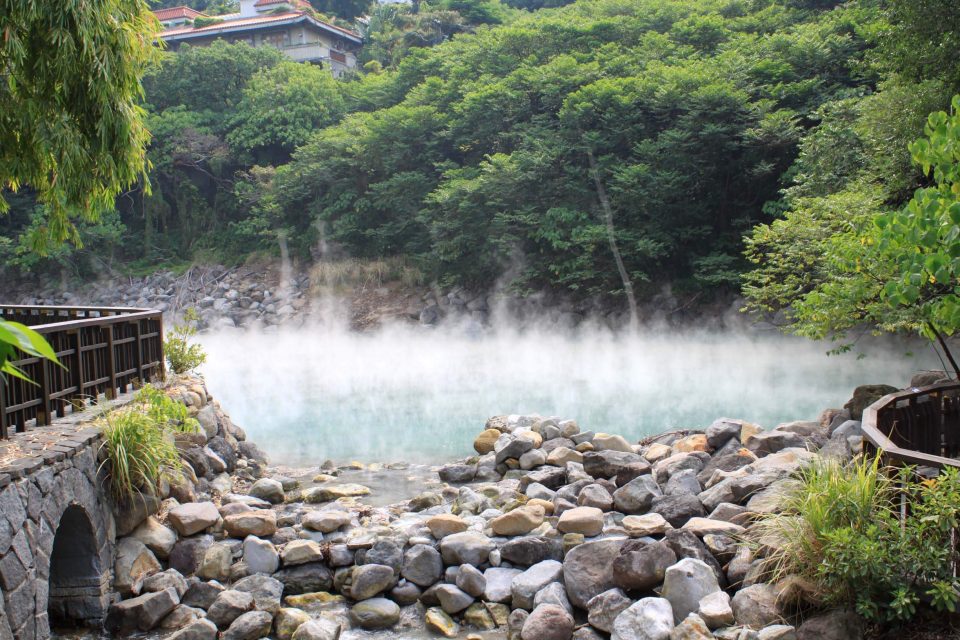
419	395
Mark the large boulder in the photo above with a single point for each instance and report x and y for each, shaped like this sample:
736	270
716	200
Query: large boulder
158	538
646	619
305	578
143	612
756	606
266	591
260	555
637	495
469	547
193	517
249	626
376	613
548	622
529	550
369	580
588	569
228	606
677	509
685	584
133	563
526	585
422	565
642	564
606	464
260	523
268	489
864	396
584	520
604	608
839	624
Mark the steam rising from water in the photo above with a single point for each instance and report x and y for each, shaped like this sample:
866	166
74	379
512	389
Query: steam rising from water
419	395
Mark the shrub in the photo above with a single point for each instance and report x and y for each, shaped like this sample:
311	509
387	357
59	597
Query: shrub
182	353
840	529
137	452
164	411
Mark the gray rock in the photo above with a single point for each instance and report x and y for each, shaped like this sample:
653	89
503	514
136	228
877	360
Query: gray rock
268	489
604	608
595	495
266	591
606	464
133	563
553	593
547	622
768	442
249	626
228	606
637	495
530	550
721	431
687	545
305	578
458	473
165	580
631	471
839	624
588	569
385	551
201	629
685	584
158	538
471	580
193	517
641	564
526	585
216	562
683	482
715	610
778	632
370	580
498	584
260	555
143	612
201	594
452	598
405	593
469	547
677	509
646	619
511	446
756	606
188	553
317	629
422	565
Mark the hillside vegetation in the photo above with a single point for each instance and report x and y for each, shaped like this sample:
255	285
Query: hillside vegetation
471	155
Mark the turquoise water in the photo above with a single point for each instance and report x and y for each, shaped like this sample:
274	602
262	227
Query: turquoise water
419	395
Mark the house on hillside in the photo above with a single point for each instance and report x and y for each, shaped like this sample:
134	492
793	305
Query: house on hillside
288	25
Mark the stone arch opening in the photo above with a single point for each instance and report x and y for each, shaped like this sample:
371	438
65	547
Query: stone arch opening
76	577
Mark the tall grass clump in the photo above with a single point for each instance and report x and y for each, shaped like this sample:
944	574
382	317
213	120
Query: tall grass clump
136	453
840	528
164	410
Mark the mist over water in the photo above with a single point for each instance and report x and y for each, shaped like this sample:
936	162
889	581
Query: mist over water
421	395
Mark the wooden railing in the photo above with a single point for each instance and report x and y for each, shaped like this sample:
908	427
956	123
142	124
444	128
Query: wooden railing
916	426
103	350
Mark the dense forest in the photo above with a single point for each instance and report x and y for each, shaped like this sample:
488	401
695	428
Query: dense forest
489	143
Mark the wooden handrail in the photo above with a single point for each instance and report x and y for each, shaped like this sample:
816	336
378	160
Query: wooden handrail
937	429
103	350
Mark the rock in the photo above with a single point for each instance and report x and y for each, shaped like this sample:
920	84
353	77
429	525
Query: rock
687	545
468	547
470	580
260	555
193	517
216	563
301	552
228	606
548	622
778	632
641	565
452	598
705	526
756	606
721	431
588	569
864	396
715	611
530	550
691	443
266	591
458	473
585	520
133	563
180	617
595	495
486	616
325	521
611	442
143	612
560	456
328	493
370	580
515	623
646	619
484	443
553	593
260	523
165	580
305	578
267	489
606	464
202	594
839	624
498	584
686	583
678	509
287	621
656	452
691	628
249	626
533	459
425	501
511	446
318	629
439	621
637	495
518	522
130	516
201	629
445	524
650	524
422	565
526	585
604	608
156	537
774	441
683	482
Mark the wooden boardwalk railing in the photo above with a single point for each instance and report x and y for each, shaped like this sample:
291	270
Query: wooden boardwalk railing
103	350
916	426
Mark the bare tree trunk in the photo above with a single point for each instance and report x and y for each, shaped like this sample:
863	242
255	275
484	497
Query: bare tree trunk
612	238
945	348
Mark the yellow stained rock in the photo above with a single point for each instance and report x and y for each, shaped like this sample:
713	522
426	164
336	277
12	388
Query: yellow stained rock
485	441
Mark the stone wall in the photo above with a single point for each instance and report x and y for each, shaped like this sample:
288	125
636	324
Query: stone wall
56	533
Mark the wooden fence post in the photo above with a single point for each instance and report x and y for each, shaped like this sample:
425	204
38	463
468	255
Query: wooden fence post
111	364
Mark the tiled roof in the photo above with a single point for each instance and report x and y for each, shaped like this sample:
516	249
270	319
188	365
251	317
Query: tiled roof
302	4
176	12
181	31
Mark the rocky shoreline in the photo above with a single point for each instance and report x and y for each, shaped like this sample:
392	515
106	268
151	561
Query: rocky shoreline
550	532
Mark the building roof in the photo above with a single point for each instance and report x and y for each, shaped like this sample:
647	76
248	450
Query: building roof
302	4
186	32
176	12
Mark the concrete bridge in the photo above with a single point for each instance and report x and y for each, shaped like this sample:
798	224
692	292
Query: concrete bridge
57	531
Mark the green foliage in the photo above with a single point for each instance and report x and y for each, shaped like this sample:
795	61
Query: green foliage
164	410
206	21
71	124
839	529
16	338
182	353
136	452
